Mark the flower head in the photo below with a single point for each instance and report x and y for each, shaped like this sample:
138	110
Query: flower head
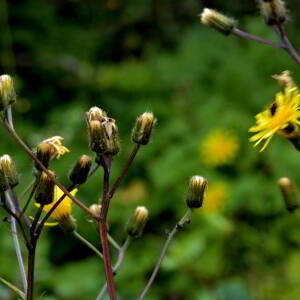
219	148
57	148
63	211
280	117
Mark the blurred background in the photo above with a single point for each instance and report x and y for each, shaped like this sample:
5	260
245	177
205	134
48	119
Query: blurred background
132	56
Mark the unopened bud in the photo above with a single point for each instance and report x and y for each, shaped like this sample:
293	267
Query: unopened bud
43	153
80	171
45	190
289	193
7	91
8	173
142	129
95	209
137	221
218	21
95	113
196	192
273	11
104	136
68	224
285	80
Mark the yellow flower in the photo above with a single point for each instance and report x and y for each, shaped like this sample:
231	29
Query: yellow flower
63	211
219	148
216	196
58	148
280	117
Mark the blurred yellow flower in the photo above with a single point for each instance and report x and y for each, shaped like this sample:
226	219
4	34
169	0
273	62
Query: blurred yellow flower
217	194
58	148
63	211
280	117
219	148
135	192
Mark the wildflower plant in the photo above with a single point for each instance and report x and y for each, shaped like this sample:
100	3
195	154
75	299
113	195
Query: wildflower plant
54	201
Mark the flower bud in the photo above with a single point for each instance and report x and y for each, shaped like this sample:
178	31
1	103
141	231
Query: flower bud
196	192
142	129
220	22
137	222
80	171
273	11
104	136
285	80
95	113
7	91
95	209
45	190
43	153
289	193
8	173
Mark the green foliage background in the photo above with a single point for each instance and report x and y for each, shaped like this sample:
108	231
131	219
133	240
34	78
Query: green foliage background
128	57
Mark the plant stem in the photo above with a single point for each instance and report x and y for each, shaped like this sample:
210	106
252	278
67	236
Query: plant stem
117	265
178	226
106	163
13	288
113	242
87	243
125	170
253	37
30	274
29	152
16	241
35	184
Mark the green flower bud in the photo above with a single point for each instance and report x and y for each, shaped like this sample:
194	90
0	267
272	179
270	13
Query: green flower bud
45	190
137	222
8	173
220	22
104	136
43	153
7	92
196	192
142	129
80	171
95	209
289	193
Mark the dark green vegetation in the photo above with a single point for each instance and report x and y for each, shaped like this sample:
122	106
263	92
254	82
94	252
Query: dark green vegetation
129	57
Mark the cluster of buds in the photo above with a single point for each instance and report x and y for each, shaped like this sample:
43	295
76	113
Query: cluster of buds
7	92
103	132
273	11
196	192
218	21
8	173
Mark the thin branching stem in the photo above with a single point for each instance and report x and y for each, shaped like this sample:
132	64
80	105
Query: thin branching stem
117	265
249	36
29	152
125	170
34	186
106	163
177	227
16	240
87	243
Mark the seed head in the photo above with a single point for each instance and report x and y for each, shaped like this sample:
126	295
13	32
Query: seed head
137	221
196	192
142	129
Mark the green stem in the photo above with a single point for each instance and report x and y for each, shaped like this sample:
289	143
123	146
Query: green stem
87	243
178	226
13	288
16	241
35	184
